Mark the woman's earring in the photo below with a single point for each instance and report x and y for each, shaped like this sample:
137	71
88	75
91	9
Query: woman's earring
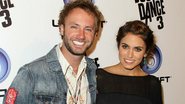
144	60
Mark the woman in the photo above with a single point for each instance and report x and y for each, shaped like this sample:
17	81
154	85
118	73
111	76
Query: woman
126	82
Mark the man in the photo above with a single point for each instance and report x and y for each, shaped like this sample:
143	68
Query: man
65	75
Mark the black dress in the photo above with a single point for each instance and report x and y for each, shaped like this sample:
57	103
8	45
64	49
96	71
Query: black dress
119	89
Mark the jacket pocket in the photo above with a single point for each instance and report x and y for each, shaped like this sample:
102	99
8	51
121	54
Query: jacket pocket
45	99
48	99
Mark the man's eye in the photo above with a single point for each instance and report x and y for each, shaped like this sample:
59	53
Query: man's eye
89	29
74	27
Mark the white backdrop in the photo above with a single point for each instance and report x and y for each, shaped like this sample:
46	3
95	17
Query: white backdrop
29	33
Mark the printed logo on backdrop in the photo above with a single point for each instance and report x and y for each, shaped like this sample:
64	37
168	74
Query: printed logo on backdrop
151	10
4	65
5	16
154	62
67	1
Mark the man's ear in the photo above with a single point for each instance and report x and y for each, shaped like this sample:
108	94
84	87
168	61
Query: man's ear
61	29
96	34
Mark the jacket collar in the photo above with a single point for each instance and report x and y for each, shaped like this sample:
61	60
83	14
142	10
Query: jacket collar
52	60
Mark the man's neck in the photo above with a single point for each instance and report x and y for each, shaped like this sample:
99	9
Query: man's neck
73	60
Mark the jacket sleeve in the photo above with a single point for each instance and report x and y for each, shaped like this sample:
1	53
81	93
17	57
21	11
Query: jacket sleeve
20	90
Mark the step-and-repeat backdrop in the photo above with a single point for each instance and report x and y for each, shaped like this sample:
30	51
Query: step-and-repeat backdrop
28	30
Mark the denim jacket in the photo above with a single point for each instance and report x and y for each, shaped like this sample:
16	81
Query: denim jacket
42	81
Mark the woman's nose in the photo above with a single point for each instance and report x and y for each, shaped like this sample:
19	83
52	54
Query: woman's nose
130	53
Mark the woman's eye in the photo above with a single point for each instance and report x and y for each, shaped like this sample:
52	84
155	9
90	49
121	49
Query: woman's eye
124	46
138	49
